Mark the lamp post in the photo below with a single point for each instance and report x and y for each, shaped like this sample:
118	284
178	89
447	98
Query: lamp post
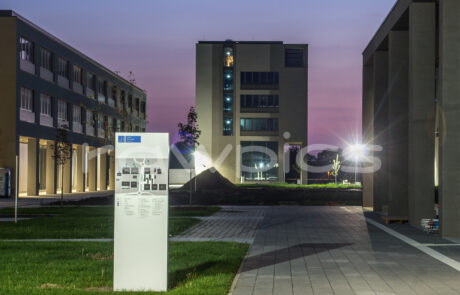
356	152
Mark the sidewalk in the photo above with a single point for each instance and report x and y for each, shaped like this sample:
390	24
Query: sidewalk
336	250
38	201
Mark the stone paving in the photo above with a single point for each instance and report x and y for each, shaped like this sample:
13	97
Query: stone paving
230	224
333	250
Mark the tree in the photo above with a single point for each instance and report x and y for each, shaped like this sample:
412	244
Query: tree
62	153
190	133
336	167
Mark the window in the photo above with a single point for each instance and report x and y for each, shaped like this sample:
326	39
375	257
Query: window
122	100
63	68
228	79
114	93
293	57
259	101
27	99
138	104
89	118
259	124
77	114
100	121
228	126
228	102
77	75
90	81
130	102
228	57
101	86
256	163
45	105
62	110
259	78
143	107
46	59
26	50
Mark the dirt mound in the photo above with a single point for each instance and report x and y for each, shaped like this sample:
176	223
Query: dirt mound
209	179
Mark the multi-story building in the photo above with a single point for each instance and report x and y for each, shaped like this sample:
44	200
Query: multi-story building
253	98
46	85
411	108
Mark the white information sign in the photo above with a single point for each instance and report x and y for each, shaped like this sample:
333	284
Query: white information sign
141	212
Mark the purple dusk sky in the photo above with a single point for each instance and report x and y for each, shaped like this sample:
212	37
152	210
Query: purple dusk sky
156	40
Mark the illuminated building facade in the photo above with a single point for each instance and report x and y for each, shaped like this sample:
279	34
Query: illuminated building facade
411	107
47	85
251	94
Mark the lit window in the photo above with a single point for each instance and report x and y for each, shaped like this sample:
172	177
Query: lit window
228	57
26	50
228	102
45	105
26	99
228	126
228	80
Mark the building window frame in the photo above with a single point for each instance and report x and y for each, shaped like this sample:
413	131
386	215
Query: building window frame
26	50
26	99
45	105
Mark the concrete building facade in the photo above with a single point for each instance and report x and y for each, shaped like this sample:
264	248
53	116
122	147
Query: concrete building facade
46	86
411	106
251	101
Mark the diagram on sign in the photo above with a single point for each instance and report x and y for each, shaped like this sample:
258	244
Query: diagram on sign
141	176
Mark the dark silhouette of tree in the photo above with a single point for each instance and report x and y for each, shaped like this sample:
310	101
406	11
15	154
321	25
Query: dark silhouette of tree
62	153
190	133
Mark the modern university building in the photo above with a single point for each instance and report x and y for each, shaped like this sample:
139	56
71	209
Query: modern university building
411	107
45	85
251	94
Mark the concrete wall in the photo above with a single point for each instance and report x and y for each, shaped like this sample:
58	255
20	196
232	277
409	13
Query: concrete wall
397	124
8	111
368	130
449	91
422	58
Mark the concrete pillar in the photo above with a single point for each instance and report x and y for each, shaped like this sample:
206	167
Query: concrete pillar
380	187
422	59
67	176
303	173
449	95
31	167
92	169
78	186
368	130
50	187
398	123
102	169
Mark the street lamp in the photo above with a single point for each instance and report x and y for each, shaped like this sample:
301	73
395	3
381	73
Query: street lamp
356	152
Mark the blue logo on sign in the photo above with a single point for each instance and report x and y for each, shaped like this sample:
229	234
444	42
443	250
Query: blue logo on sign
133	139
128	138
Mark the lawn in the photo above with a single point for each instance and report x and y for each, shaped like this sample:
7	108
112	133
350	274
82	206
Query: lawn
87	268
304	186
82	222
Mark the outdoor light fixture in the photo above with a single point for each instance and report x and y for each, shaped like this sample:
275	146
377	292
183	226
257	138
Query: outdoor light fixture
228	122
356	152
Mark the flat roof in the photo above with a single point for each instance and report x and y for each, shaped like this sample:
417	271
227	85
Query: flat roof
11	13
240	42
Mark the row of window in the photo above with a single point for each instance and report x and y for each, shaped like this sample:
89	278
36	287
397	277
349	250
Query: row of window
259	101
259	124
93	118
259	78
63	68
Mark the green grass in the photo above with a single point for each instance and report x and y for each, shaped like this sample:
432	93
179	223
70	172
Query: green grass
81	222
297	186
87	268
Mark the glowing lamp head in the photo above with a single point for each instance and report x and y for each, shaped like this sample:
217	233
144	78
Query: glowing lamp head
356	151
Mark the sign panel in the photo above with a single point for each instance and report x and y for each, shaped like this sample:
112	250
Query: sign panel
141	212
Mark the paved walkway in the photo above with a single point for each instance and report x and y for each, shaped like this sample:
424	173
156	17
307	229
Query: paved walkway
48	199
333	250
230	224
